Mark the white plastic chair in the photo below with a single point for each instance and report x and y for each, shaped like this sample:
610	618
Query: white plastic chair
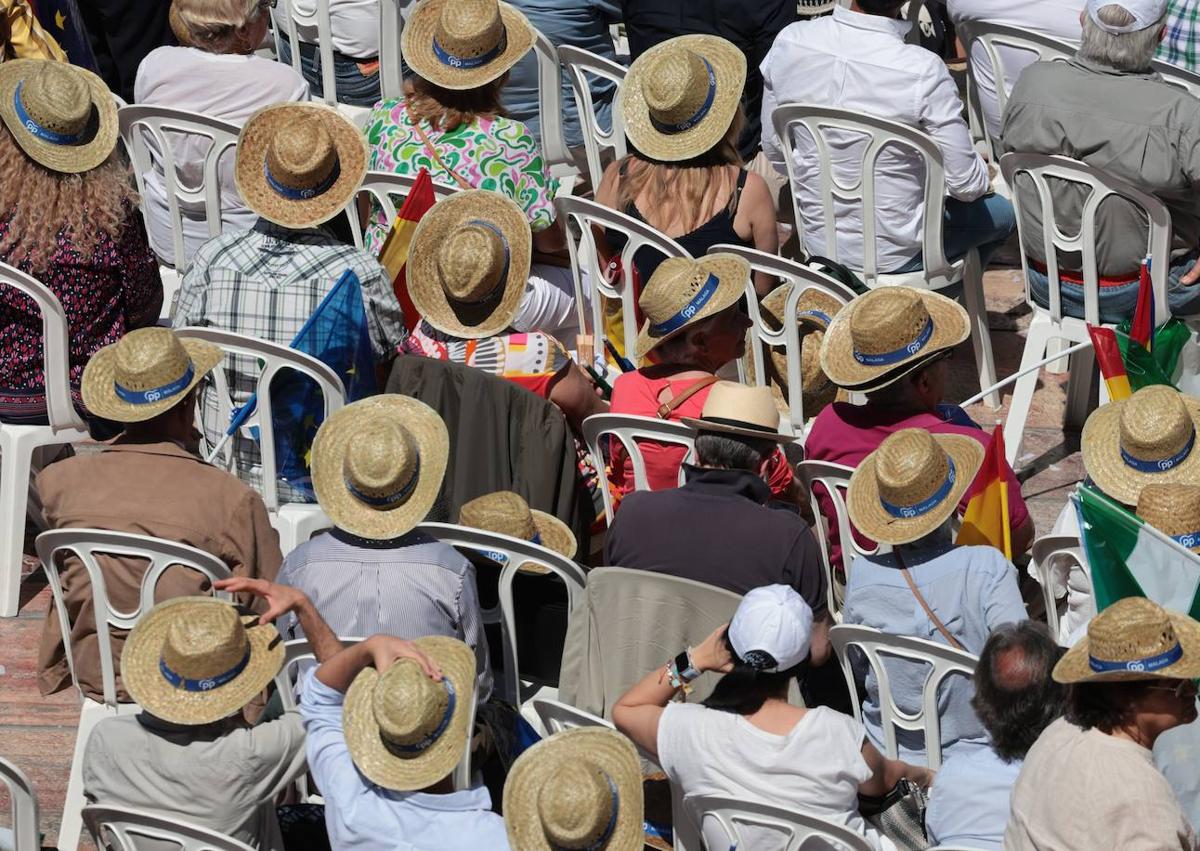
126	829
629	430
1054	556
24	805
19	443
295	522
386	188
942	661
555	153
1049	322
556	716
600	145
722	821
86	545
878	134
1180	78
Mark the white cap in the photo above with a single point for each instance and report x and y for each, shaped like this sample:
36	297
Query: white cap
1146	13
773	619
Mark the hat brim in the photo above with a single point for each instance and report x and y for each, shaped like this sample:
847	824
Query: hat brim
729	66
99	392
417	47
1073	667
66	159
250	174
732	274
460	319
329	452
1101	446
702	425
773	304
611	751
555	534
951	326
406	774
870	518
149	689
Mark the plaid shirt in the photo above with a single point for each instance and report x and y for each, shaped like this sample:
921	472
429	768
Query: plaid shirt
1179	47
266	282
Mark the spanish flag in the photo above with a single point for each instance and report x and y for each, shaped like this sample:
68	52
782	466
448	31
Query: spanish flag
986	519
394	254
1112	366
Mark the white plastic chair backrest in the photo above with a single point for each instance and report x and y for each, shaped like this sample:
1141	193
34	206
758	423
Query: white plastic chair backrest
56	340
557	716
1180	78
126	829
1052	555
386	187
722	822
599	144
295	652
581	216
942	662
270	358
87	544
145	129
24	805
628	429
555	153
877	134
1039	168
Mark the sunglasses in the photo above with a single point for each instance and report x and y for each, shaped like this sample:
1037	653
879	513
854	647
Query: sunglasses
1180	689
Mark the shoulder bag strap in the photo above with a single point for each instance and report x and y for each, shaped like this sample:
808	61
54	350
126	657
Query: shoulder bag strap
667	408
425	140
941	627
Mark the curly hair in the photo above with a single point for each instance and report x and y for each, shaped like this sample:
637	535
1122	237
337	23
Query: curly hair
40	204
448	109
1105	706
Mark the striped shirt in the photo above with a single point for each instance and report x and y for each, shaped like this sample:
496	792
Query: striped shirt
1179	45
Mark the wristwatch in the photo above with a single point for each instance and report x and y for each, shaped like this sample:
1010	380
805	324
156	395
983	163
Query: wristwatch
683	664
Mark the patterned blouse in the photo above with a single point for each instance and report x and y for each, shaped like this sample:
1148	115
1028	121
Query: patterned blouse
492	153
530	360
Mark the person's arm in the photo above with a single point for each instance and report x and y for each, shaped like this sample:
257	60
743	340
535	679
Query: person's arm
941	118
1002	602
756	201
773	147
378	652
284	599
886	773
606	194
808	578
385	317
142	284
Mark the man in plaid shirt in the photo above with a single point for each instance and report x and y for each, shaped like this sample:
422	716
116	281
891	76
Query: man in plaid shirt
1179	45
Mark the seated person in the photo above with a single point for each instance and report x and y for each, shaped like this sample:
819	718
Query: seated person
1107	108
354	31
1016	699
904	494
815	309
148	481
746	741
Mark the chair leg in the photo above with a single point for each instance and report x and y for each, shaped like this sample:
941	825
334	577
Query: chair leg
981	338
1057	367
1079	388
15	462
1036	341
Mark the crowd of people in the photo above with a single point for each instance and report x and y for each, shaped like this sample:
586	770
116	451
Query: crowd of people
401	717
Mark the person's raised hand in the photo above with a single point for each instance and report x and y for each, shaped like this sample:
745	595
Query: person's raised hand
385	650
712	654
281	599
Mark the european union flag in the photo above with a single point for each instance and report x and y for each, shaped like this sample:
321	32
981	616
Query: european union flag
61	19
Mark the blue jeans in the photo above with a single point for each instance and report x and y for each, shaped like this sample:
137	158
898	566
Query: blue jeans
1118	303
353	87
985	223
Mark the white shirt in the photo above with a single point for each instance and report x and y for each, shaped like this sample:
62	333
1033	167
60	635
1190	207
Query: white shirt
860	63
1053	18
230	87
969	801
354	25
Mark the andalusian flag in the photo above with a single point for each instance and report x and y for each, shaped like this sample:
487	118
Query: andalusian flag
986	519
1112	366
394	254
1142	329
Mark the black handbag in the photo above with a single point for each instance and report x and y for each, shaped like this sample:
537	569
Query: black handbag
899	815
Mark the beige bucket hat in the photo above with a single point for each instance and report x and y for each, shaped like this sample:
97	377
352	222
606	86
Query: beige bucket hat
468	264
1145	439
580	788
63	117
909	485
680	96
463	44
1174	510
1133	639
682	292
195	660
378	465
507	513
814	311
405	731
874	336
144	373
299	164
732	408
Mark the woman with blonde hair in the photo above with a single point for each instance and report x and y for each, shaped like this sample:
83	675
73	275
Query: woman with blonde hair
68	217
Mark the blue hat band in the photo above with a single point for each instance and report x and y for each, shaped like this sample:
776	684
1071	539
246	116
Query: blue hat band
1146	665
897	355
671	128
43	133
154	394
1189	540
1163	464
206	684
387	500
608	829
307	192
819	314
906	512
417	747
449	59
697	301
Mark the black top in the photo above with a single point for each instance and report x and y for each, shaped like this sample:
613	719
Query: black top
717	529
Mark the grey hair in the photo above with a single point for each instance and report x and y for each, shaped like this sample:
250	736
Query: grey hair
1130	52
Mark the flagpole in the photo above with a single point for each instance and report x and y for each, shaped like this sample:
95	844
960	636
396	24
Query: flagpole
1037	366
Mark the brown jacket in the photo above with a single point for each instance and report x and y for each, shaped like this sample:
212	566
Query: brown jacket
146	488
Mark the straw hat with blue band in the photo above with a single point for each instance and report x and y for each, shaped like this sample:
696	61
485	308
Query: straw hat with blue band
682	292
680	96
144	373
1133	639
464	44
1173	509
63	117
815	310
508	513
196	660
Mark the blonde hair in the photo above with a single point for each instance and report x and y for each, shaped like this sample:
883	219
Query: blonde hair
448	109
216	26
39	204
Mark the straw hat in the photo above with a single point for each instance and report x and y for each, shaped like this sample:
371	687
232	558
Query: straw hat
63	117
405	731
682	291
299	164
144	373
463	44
886	328
378	465
506	513
1174	510
909	485
195	660
580	788
815	309
468	263
680	96
1133	639
1145	439
732	408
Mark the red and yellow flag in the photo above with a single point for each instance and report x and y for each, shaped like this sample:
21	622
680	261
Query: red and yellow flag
394	254
1112	365
986	518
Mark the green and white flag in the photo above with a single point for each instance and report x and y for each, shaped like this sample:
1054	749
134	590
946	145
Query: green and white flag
1129	558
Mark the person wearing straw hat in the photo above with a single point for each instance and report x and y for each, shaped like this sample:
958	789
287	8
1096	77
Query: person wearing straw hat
746	740
298	165
1173	509
905	494
148	481
815	309
81	237
1089	781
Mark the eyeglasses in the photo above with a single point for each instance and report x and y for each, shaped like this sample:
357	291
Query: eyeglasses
267	4
1180	689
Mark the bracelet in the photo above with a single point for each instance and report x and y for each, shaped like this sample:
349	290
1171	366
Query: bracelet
676	679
